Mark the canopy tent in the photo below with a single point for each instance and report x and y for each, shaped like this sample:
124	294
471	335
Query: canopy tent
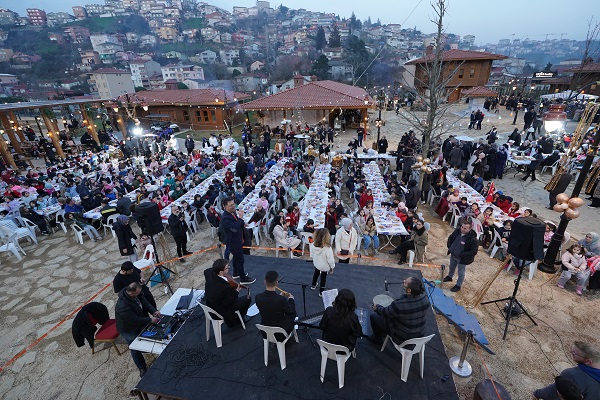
569	94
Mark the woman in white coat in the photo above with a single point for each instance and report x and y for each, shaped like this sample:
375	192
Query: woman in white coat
322	256
282	237
346	239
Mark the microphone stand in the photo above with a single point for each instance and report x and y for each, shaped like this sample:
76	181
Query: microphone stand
304	328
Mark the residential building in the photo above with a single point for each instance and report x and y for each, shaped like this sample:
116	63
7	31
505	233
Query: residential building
181	72
473	69
104	38
256	66
333	53
228	56
59	18
248	82
110	83
141	71
37	17
8	17
148	41
208	57
79	12
468	40
8	79
156	82
89	58
76	34
133	5
5	54
167	33
340	70
56	38
94	9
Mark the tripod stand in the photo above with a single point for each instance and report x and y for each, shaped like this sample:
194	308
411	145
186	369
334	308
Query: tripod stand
159	269
512	301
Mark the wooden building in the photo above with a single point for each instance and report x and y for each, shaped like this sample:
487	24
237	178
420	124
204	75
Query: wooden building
472	68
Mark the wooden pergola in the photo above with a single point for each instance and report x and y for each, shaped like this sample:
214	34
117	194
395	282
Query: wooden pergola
12	128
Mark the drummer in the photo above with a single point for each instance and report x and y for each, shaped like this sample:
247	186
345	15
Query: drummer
404	318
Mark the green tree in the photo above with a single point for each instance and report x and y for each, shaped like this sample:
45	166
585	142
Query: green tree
548	67
335	39
356	55
355	24
320	67
320	39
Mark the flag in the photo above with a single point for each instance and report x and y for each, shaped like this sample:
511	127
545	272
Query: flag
490	194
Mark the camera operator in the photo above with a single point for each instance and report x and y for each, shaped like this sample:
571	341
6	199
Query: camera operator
179	231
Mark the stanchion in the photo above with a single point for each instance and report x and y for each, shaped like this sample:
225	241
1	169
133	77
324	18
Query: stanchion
459	365
358	258
443	272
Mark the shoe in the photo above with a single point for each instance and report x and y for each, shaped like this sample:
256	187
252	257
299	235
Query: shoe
455	288
401	262
187	253
297	254
423	202
375	252
523	179
142	372
181	260
313	287
235	277
579	290
100	238
447	279
45	233
247	280
392	252
560	286
320	294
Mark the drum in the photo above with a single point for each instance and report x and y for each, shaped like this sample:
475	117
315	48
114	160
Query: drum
383	300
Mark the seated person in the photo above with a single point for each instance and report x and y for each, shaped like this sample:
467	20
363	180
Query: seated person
276	309
419	238
462	205
221	296
514	210
472	211
284	237
263	202
574	263
76	218
130	273
339	323
487	221
504	233
550	229
106	211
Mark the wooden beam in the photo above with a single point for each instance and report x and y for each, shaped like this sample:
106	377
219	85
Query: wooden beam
17	126
11	133
52	128
89	123
8	158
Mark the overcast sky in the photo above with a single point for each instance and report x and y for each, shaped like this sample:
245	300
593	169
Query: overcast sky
489	21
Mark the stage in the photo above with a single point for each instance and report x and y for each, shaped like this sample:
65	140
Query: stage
192	368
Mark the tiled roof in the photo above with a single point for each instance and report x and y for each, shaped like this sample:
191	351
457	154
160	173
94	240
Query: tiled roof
479	91
458	55
591	67
190	96
109	71
318	95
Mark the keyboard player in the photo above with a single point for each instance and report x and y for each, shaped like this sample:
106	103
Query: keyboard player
276	309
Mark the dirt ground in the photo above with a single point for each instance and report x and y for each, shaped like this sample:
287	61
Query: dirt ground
58	275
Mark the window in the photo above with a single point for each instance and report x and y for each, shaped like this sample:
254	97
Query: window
461	73
198	116
213	116
205	115
472	73
186	115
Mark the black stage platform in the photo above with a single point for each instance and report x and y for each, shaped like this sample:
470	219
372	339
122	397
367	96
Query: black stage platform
192	368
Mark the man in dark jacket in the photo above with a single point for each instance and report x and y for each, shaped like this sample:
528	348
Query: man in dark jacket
233	226
275	309
189	144
382	145
130	273
179	231
125	235
533	166
221	296
123	204
413	195
131	313
462	248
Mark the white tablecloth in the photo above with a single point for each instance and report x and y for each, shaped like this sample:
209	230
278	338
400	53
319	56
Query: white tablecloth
315	201
249	203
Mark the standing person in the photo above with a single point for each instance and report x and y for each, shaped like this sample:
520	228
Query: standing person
345	241
123	204
189	144
359	137
276	309
222	297
234	228
413	195
403	319
472	120
125	237
179	231
131	314
339	323
585	375
532	167
382	145
501	157
462	248
322	255
130	273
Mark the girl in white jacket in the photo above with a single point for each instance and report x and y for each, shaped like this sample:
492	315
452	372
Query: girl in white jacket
574	263
322	256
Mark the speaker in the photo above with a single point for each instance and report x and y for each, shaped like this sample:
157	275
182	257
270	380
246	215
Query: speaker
526	241
149	218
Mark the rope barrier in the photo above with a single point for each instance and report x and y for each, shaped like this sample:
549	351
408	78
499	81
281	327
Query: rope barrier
487	370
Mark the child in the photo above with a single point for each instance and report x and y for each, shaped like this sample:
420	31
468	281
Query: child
550	229
504	233
462	205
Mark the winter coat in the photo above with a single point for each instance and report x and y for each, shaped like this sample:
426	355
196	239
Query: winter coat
282	238
471	246
323	259
345	241
124	235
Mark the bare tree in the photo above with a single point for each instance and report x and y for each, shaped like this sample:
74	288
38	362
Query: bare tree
591	50
434	76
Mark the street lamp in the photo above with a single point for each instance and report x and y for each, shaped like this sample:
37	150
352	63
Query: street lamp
378	121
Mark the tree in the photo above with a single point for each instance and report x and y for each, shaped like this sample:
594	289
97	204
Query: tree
356	55
335	39
320	39
580	80
433	76
355	24
548	67
320	67
368	22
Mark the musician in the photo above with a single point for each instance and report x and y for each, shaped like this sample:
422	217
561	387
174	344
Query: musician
276	309
339	323
222	293
403	319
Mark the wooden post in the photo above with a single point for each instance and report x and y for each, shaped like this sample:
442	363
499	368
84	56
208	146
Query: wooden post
364	115
121	124
8	158
11	133
18	128
53	131
89	123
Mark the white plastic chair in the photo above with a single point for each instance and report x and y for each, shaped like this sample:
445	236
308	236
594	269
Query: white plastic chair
407	354
337	353
109	224
432	196
216	320
78	232
477	227
494	246
305	236
256	233
12	227
147	259
61	213
11	244
25	223
284	245
553	167
411	253
456	216
270	332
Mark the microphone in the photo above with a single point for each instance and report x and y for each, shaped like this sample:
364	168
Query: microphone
386	285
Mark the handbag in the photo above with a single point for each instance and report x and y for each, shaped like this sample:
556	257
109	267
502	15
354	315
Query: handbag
344	252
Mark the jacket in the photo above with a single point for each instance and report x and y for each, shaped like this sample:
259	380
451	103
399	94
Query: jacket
369	230
420	241
178	226
276	310
234	230
323	259
282	238
345	241
123	205
84	329
471	246
124	235
130	317
220	296
572	261
405	317
336	330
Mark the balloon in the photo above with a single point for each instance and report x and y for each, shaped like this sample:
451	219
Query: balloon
562	198
424	168
564	206
575	202
426	161
572	213
557	208
420	158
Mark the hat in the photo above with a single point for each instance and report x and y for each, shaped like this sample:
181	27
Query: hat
127	266
346	223
500	192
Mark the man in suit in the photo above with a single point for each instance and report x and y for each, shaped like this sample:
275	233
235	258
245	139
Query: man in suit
179	231
276	309
233	225
221	296
189	144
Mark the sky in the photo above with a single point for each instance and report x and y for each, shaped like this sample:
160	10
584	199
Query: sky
489	21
